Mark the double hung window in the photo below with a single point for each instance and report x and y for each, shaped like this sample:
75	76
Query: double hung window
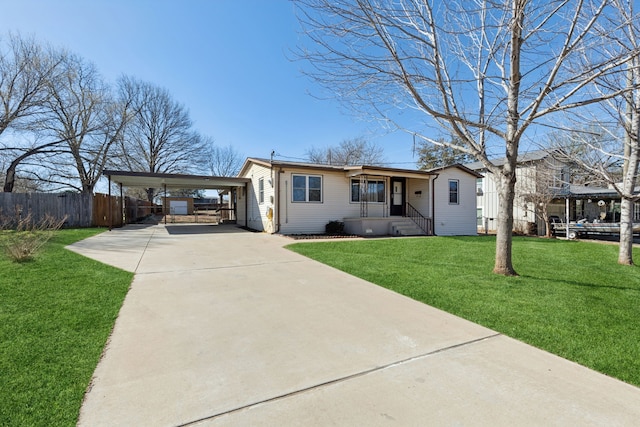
261	190
307	188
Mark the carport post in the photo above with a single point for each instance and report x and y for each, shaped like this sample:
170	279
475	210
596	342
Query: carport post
122	209
109	204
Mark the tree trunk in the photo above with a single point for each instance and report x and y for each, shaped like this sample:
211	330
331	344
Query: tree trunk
87	188
504	238
10	179
625	254
10	176
507	175
547	223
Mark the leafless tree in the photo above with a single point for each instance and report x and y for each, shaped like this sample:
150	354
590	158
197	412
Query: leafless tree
159	138
26	68
544	182
486	71
21	184
612	137
355	151
223	161
83	114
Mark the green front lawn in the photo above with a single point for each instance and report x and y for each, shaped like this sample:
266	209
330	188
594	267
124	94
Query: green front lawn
571	298
56	313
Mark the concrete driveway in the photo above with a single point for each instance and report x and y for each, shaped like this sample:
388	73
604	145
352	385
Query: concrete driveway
224	327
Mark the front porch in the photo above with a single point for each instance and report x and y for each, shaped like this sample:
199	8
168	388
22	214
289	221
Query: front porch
391	202
411	224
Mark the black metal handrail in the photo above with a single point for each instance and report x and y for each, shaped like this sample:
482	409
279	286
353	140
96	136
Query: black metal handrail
421	221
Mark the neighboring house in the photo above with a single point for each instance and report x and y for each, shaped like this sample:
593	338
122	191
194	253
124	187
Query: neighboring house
301	198
541	174
536	172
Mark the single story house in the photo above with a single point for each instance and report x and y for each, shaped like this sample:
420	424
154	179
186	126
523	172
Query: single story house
302	198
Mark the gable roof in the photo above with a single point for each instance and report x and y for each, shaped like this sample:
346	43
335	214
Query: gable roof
350	170
458	166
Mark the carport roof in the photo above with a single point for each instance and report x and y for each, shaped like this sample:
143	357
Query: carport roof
170	180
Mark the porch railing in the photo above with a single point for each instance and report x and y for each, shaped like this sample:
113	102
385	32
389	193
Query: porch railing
421	221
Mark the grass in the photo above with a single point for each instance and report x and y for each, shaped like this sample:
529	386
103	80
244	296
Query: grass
56	313
571	298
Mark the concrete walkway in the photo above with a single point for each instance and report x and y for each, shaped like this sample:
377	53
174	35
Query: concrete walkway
224	327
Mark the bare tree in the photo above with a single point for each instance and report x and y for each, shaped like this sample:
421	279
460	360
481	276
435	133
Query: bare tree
610	145
629	119
486	71
575	147
545	182
21	184
26	68
159	137
223	161
83	114
355	151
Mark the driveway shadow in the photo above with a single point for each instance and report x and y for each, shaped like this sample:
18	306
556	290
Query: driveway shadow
177	229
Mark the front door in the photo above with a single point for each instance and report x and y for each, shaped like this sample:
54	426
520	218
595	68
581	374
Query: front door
397	197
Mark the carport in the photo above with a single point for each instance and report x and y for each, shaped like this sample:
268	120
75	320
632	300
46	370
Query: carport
172	181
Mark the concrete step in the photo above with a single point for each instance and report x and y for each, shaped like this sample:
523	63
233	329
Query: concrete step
406	227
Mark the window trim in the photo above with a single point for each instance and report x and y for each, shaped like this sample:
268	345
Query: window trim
261	191
377	181
456	192
307	188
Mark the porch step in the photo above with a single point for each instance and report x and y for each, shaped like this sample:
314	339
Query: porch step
406	227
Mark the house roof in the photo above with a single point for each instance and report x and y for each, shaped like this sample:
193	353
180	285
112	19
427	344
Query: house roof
458	166
350	170
160	180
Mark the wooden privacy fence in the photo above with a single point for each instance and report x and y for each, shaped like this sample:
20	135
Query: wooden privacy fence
76	207
101	207
81	210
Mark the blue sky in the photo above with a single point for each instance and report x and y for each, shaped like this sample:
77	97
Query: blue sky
227	61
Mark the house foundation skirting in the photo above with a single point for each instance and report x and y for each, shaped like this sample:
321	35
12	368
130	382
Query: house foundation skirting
368	226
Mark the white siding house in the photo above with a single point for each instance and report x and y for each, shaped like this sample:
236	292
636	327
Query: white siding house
301	198
255	201
455	202
536	172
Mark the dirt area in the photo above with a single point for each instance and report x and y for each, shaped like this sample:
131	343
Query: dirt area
200	218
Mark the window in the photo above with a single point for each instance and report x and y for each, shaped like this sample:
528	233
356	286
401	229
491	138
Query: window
261	190
479	186
453	191
307	188
374	191
636	212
